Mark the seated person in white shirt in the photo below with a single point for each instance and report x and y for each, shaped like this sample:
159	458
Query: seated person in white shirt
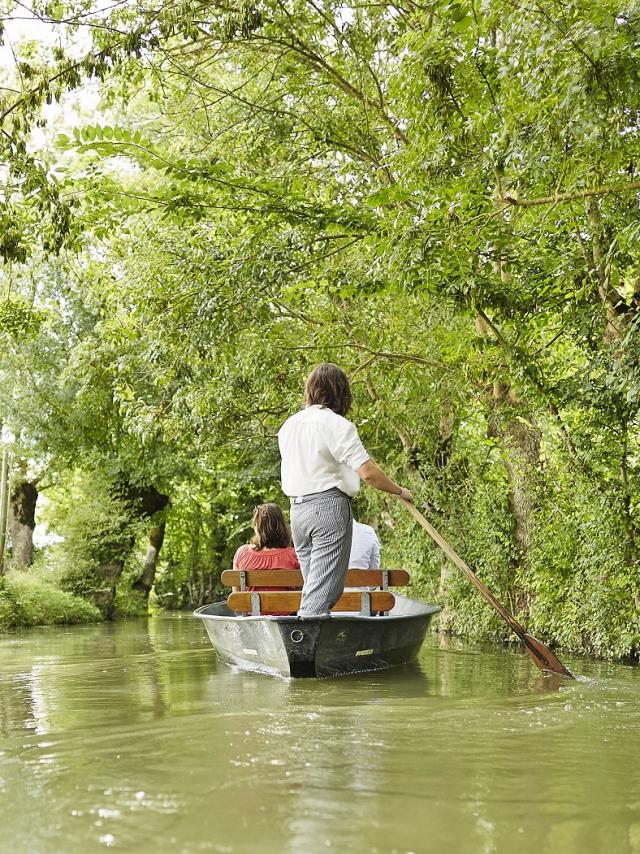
323	460
365	550
365	547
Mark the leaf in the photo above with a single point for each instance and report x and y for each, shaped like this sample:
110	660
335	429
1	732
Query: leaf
379	198
462	24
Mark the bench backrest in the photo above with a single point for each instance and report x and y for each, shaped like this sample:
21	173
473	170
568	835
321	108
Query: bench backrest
288	601
292	578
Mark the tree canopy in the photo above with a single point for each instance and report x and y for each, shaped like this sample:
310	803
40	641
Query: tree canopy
201	202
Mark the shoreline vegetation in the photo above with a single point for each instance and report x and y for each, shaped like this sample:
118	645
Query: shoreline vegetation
27	602
201	203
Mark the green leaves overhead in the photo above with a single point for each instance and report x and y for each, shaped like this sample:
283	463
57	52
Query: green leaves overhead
18	318
442	198
104	134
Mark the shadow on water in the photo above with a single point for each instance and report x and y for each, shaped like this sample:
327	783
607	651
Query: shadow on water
408	681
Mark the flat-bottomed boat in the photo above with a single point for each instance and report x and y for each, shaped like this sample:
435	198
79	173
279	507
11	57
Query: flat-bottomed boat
360	634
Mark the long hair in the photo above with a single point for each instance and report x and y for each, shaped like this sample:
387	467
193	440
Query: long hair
328	386
270	527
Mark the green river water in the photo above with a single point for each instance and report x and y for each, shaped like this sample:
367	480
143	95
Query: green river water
132	736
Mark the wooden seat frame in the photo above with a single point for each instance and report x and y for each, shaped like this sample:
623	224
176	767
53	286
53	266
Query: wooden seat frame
292	578
255	602
275	598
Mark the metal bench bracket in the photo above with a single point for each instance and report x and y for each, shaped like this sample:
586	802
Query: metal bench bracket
365	603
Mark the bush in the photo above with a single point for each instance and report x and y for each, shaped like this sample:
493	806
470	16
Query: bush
97	527
27	601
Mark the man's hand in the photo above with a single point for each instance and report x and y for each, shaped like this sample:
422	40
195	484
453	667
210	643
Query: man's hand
406	495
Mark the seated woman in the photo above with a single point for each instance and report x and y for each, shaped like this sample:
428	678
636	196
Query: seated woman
270	547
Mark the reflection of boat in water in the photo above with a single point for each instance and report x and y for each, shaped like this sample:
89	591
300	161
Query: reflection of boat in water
318	646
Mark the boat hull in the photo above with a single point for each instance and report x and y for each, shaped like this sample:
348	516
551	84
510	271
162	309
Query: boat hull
318	646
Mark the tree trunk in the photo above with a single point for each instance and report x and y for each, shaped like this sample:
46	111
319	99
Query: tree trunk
145	582
105	598
22	521
523	442
521	438
442	457
4	489
520	435
144	502
617	319
445	434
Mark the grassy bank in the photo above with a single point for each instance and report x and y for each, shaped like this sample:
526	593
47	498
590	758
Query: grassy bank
27	601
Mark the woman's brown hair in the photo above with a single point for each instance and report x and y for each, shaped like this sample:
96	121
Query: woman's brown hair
328	385
270	527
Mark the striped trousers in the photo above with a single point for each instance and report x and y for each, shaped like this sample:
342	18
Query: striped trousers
322	527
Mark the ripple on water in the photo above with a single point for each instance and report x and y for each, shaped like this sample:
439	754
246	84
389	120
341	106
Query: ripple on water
132	737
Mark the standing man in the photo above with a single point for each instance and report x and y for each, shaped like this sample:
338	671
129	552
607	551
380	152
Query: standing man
323	460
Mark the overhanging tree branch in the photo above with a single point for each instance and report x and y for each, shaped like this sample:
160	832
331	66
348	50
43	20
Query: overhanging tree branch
558	198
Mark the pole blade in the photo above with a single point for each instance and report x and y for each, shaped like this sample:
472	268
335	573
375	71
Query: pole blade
543	658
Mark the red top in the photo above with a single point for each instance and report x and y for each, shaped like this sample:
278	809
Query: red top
248	557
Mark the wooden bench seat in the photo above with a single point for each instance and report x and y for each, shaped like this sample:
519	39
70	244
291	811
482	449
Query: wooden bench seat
288	601
292	578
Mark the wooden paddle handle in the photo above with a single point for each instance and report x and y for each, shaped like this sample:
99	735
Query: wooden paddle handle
457	560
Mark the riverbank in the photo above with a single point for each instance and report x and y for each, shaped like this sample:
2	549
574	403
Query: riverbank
27	601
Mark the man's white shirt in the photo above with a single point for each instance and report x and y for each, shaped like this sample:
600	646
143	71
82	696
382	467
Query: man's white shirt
365	548
320	450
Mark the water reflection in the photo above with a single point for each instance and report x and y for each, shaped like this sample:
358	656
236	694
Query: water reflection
131	736
549	682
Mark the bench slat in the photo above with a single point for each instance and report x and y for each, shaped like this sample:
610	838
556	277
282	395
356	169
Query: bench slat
293	578
289	600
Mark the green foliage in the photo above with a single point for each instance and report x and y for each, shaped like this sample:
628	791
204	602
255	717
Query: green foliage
18	318
441	199
96	527
583	590
27	601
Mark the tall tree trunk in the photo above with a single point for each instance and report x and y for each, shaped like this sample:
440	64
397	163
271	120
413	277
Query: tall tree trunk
145	582
445	434
22	521
144	502
520	436
617	318
442	456
523	443
511	422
